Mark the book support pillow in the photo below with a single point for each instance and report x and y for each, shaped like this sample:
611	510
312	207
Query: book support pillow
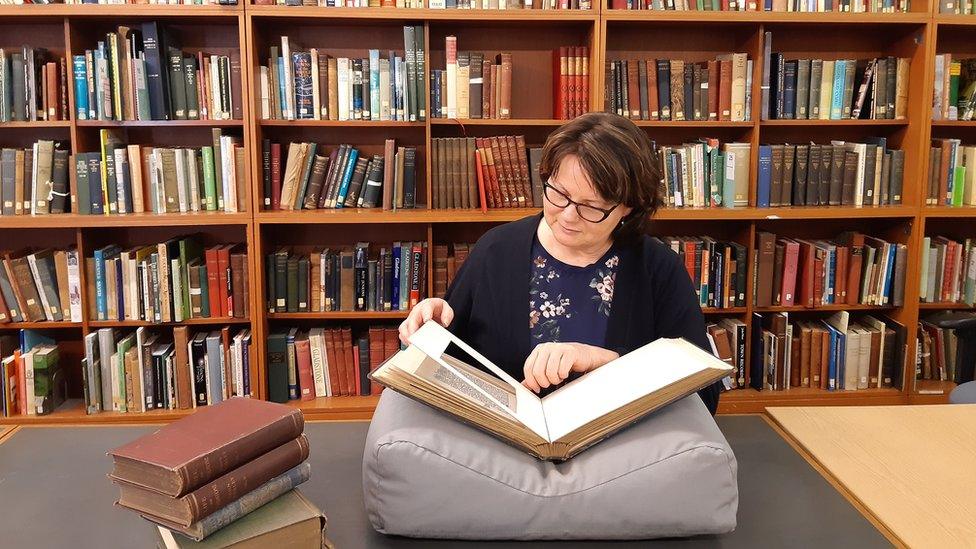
426	474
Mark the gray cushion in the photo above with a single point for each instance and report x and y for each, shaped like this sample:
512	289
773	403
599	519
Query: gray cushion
426	474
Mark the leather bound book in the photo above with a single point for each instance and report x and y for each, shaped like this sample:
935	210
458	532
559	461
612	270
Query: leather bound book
795	360
652	91
505	78
303	356
347	292
218	493
837	174
814	174
633	107
186	454
720	336
349	359
181	368
850	175
789	164
319	169
724	87
714	84
800	175
238	264
779	255
767	250
803	366
776	181
677	89
470	192
335	385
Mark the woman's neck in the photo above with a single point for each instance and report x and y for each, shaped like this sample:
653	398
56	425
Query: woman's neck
579	257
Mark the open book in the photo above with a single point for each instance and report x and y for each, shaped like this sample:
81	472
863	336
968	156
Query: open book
564	422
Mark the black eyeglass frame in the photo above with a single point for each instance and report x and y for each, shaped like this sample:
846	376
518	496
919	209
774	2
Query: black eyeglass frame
569	201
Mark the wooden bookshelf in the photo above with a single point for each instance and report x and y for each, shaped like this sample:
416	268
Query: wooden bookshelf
530	35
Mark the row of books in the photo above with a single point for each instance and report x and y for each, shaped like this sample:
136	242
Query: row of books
32	380
485	172
39	286
951	174
124	178
717	268
965	7
125	2
32	85
471	85
140	370
796	6
347	177
325	362
674	89
394	278
312	85
838	353
948	271
833	89
447	261
834	174
34	180
953	96
706	174
940	354
171	281
852	268
437	4
570	82
142	74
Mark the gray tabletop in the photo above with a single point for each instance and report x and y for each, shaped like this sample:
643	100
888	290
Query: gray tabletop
54	493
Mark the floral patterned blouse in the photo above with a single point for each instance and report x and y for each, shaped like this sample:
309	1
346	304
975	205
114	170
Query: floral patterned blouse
568	303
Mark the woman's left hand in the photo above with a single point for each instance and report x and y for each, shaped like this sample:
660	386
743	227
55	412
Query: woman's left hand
549	364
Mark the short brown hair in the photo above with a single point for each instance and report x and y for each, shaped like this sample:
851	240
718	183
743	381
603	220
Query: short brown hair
619	159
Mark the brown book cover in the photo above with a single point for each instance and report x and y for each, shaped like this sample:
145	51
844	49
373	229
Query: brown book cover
24	288
724	87
840	274
510	153
238	264
186	454
219	492
505	77
714	84
677	90
471	200
795	360
723	348
389	149
816	338
303	359
376	356
333	88
333	362
786	188
352	384
652	97
779	255
767	250
501	173
805	346
633	91
854	242
184	391
874	370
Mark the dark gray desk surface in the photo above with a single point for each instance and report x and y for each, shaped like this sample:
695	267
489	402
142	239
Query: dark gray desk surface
54	493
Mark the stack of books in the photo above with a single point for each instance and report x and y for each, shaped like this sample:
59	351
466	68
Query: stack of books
204	472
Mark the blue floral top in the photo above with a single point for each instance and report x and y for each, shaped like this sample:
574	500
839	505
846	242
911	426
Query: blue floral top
568	303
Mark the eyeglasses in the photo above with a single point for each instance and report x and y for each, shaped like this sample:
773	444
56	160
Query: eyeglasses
585	211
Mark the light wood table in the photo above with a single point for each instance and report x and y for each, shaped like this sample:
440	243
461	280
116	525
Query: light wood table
911	469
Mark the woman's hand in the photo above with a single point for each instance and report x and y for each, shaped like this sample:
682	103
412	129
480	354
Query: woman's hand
550	363
430	308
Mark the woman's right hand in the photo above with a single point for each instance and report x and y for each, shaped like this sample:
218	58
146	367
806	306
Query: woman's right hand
430	308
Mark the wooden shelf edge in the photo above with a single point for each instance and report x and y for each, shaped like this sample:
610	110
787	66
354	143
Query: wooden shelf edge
116	10
831	123
948	211
340	315
644	16
72	412
54	221
414	14
188	322
40	325
233	123
41	124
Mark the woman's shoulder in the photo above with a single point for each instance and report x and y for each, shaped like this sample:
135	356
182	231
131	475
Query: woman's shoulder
503	238
656	257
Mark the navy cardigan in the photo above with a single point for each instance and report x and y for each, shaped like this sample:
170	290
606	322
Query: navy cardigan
653	297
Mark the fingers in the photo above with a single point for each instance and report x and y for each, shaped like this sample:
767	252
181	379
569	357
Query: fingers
447	314
548	365
551	371
529	381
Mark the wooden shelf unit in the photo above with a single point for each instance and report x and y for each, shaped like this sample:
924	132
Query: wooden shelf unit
609	34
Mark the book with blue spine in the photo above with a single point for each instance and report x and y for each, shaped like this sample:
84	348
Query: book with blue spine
81	87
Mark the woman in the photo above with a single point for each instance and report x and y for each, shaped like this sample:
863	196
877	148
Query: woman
555	295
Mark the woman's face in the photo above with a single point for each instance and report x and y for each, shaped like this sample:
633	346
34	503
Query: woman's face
567	226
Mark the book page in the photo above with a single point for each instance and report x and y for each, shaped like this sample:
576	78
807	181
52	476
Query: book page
433	339
622	381
464	385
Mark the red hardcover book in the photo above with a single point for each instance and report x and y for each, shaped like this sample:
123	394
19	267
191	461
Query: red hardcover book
306	382
479	162
560	83
337	377
223	268
349	360
789	272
